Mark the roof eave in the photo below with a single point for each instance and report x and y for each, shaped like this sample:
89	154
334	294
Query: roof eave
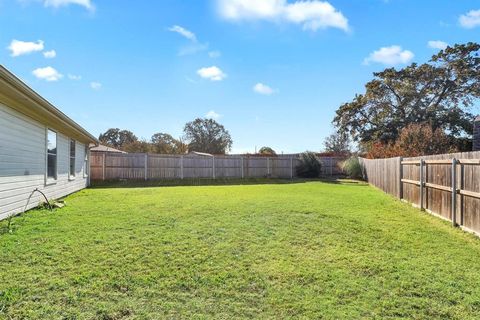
19	85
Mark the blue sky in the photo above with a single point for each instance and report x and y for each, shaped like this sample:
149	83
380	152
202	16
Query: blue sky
272	71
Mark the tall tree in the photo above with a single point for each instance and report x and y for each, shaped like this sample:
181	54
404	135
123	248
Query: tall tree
117	138
164	143
267	151
207	135
439	93
338	142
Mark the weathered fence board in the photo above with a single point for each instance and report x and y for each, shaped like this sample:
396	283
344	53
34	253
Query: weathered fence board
383	173
428	184
113	166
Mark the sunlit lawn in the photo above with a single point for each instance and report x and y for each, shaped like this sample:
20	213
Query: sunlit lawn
300	250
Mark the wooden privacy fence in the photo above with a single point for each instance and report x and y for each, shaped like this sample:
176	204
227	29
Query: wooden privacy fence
114	166
446	185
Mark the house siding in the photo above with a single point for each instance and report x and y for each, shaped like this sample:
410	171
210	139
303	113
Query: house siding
23	164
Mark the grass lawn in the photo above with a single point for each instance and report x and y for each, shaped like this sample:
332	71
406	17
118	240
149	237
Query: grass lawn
301	250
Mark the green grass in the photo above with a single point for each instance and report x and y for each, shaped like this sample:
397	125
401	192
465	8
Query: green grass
299	250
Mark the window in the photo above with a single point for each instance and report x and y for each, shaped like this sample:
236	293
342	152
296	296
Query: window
85	164
51	154
72	158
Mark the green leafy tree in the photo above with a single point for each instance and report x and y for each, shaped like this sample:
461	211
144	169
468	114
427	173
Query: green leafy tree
267	151
338	142
207	135
117	138
164	143
440	93
138	146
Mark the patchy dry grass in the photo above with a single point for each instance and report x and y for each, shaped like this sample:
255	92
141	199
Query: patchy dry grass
304	250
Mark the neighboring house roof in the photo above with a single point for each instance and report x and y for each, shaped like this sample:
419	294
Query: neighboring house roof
102	148
15	94
202	154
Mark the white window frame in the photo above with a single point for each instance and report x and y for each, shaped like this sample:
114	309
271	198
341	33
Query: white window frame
71	175
86	162
51	180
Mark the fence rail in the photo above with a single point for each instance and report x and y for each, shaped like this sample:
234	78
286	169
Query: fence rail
446	185
113	166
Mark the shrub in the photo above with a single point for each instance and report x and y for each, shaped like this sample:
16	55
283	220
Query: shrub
377	150
353	168
309	166
420	139
416	140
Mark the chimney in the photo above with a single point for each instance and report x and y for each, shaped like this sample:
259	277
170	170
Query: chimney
476	134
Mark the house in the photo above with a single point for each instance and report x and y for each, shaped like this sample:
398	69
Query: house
41	149
102	148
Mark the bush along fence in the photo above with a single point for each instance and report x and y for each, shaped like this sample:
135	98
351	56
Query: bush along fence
445	185
138	166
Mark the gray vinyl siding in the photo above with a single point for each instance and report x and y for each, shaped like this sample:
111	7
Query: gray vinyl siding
23	164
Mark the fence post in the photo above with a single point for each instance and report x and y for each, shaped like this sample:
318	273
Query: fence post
181	167
291	167
462	198
243	174
268	166
213	166
422	183
454	192
146	166
103	167
400	177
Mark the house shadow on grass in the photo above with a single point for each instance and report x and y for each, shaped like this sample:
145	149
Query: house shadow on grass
215	182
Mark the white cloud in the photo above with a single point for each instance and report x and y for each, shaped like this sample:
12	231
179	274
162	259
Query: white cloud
50	54
390	56
437	44
62	3
263	89
212	73
184	32
213	115
214	54
74	77
194	46
47	73
312	15
95	85
18	48
470	20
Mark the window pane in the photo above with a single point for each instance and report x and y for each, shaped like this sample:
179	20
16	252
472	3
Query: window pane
72	166
52	166
85	164
72	148
72	157
52	142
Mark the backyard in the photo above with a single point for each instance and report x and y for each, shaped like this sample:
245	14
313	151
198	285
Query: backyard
332	249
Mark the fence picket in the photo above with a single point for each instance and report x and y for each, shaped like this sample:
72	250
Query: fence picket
108	166
441	184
